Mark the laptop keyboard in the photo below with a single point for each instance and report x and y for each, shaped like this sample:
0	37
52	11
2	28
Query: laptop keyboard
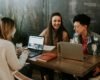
34	53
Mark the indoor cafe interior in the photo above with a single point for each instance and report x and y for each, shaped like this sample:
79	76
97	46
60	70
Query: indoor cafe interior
49	40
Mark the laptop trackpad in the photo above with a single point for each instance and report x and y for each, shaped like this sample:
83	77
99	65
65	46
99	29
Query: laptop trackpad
34	53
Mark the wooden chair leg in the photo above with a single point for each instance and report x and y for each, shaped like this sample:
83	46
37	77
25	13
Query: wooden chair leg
20	76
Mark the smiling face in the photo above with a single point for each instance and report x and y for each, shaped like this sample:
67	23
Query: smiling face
79	28
56	22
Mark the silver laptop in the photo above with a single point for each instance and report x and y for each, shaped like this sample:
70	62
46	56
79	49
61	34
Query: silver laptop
70	50
35	45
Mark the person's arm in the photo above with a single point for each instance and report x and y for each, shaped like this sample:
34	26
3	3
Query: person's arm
97	69
96	35
65	36
12	59
43	33
23	57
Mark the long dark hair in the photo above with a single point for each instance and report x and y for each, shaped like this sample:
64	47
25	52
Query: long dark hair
59	33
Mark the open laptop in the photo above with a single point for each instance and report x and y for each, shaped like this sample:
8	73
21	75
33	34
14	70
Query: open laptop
70	50
35	45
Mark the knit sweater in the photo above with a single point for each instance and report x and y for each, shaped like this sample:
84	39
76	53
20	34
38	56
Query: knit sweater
9	61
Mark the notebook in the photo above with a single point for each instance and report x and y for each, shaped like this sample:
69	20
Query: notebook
35	45
70	50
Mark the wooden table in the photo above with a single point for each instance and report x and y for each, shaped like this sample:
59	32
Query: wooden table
74	67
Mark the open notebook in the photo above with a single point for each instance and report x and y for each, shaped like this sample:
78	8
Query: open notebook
35	45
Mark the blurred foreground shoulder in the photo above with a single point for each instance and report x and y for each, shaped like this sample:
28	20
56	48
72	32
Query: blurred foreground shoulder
6	43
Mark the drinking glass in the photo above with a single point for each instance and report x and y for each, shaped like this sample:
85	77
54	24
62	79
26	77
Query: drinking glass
94	48
72	41
19	48
18	45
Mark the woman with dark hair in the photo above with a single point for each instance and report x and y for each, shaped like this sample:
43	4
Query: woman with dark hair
55	31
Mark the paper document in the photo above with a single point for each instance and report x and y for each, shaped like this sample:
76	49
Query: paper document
48	48
34	58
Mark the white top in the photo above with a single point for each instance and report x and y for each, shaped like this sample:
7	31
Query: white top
9	61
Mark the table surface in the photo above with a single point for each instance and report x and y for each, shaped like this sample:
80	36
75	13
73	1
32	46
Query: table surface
74	67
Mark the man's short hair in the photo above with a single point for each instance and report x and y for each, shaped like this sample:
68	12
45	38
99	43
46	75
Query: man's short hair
83	19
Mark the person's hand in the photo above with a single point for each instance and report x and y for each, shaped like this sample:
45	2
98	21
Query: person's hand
24	54
25	51
19	51
96	71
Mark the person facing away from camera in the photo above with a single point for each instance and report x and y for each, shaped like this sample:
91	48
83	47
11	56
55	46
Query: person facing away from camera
8	58
55	31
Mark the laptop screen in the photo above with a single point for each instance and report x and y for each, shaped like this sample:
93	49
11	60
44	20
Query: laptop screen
36	42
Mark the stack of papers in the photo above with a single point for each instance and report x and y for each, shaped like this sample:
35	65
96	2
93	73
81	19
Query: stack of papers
34	58
48	48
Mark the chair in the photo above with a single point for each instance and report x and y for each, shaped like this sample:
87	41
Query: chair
20	76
